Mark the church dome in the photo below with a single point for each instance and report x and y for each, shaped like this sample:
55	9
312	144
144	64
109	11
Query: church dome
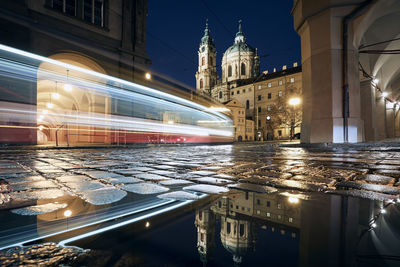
240	43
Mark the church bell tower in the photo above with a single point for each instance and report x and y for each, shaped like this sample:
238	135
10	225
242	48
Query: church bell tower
206	75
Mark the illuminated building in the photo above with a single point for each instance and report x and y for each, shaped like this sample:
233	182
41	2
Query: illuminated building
241	81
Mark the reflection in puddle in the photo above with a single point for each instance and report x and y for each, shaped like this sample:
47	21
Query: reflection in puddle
258	229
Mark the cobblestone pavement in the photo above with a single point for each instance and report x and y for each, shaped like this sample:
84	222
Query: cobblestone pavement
47	254
103	176
33	181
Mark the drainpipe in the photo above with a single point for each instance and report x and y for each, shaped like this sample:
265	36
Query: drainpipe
345	86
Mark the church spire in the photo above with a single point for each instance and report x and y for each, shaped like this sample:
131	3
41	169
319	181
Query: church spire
239	35
207	39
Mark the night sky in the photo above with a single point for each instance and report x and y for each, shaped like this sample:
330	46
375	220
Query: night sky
174	30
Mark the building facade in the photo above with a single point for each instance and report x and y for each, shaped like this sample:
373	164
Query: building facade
263	97
108	37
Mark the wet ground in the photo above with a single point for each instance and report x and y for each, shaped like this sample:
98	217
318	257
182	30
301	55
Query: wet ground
304	206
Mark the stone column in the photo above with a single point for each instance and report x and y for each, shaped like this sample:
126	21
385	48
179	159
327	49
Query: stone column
381	132
368	110
320	28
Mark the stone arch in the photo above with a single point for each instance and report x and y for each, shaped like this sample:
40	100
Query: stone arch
62	99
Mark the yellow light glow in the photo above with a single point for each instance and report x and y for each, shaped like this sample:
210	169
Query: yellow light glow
293	200
376	81
147	224
56	95
170	122
49	105
385	94
147	76
294	101
67	87
41	127
45	111
67	213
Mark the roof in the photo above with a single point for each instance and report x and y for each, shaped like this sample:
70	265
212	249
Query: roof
241	46
269	76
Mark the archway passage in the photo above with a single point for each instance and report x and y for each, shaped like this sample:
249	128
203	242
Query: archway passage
67	100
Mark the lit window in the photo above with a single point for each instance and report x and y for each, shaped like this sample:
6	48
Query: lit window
278	205
279	217
280	82
269	109
290	219
259	87
258	212
269	84
292	80
268	214
280	93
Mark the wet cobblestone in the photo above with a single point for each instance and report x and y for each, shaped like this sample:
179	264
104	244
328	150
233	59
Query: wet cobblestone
89	173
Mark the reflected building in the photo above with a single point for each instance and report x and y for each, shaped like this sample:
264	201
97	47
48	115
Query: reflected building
330	229
205	224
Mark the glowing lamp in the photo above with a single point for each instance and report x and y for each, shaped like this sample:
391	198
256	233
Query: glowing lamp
385	94
41	127
67	213
293	200
49	105
45	111
294	101
56	95
147	76
67	87
376	81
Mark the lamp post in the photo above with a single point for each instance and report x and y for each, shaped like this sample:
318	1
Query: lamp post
293	102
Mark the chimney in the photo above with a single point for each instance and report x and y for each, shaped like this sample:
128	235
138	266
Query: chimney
284	67
295	64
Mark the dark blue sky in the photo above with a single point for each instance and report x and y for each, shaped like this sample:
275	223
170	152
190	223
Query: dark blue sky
174	30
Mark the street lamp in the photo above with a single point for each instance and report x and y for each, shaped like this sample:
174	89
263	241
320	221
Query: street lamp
293	102
147	76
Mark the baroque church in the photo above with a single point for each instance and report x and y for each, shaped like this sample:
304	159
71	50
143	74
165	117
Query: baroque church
239	62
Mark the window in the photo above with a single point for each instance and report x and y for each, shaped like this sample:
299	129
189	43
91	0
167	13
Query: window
249	89
259	123
220	94
280	82
268	214
258	212
243	69
258	202
259	87
269	85
259	109
259	97
229	71
247	104
232	93
278	205
269	108
202	237
247	195
279	133
200	215
279	217
280	94
203	61
244	90
292	80
269	95
290	219
210	61
93	11
65	6
268	204
228	227
241	229
201	83
237	92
